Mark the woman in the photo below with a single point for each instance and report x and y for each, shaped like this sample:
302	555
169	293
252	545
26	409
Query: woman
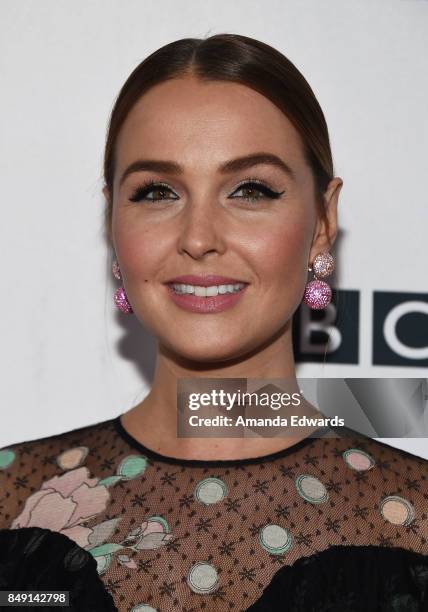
218	173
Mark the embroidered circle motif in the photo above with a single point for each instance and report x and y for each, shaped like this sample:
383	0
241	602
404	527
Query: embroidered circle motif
203	578
358	460
275	539
131	467
311	488
72	458
397	510
210	490
7	457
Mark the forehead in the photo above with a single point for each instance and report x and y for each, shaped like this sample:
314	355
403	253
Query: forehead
202	124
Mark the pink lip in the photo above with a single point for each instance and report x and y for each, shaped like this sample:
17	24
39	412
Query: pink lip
205	305
205	280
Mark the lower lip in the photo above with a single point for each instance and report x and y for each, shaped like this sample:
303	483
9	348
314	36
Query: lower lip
214	303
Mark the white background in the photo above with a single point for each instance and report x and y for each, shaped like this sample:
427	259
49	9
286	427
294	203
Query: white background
68	357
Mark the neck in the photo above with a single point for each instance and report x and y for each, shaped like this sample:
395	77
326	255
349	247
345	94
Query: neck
154	420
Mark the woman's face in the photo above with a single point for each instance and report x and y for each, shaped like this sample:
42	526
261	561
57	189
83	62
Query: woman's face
200	220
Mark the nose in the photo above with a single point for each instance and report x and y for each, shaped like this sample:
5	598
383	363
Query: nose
202	229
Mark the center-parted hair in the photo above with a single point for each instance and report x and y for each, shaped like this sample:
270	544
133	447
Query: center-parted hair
237	59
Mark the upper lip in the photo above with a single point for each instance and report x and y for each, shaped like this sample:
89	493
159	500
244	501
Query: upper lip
205	280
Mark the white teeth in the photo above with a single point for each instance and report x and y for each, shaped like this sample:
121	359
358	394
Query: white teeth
207	291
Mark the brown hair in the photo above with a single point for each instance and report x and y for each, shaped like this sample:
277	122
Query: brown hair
239	59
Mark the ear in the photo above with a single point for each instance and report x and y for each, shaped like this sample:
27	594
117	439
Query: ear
107	197
325	231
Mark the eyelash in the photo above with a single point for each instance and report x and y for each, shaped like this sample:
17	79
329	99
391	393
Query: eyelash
142	191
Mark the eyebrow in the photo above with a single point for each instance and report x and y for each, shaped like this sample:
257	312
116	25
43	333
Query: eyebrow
233	165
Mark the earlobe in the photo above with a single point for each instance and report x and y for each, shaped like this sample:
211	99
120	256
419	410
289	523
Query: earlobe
325	232
106	193
108	204
332	194
326	228
331	202
332	221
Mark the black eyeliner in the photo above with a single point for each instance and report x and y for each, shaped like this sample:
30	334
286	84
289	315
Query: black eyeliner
260	186
142	191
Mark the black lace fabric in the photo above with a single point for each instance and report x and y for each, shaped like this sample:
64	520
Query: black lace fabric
335	523
352	579
36	559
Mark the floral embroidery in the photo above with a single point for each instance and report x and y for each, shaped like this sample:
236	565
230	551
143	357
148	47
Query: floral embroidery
228	524
151	534
65	504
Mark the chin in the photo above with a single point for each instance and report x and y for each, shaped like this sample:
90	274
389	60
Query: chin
206	353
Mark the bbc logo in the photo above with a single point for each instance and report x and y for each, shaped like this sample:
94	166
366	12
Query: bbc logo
399	329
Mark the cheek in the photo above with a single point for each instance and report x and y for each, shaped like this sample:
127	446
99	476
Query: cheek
139	250
283	252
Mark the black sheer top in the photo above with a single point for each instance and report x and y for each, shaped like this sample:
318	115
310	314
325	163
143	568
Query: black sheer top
329	524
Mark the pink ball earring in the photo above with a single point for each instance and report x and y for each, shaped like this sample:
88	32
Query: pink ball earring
317	292
120	297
